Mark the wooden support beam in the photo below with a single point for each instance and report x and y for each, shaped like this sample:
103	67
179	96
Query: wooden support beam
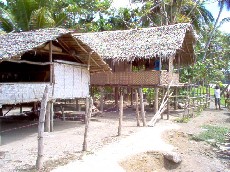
120	113
101	99
137	108
47	118
51	61
142	107
176	98
39	161
20	108
51	116
88	112
168	105
156	100
63	112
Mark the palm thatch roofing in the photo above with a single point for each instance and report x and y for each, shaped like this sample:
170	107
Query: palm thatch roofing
14	45
172	41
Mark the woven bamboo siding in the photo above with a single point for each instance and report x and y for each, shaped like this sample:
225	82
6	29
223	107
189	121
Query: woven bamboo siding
13	93
70	81
126	78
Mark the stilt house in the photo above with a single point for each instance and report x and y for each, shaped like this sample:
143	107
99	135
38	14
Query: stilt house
133	54
31	60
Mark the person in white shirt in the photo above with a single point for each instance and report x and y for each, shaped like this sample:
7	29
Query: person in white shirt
217	96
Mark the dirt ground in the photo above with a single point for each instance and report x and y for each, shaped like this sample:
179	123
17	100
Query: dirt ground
63	146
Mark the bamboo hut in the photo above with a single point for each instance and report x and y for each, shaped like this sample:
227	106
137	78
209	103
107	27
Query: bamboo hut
29	61
132	53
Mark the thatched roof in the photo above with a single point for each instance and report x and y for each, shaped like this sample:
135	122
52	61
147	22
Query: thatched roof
165	41
13	45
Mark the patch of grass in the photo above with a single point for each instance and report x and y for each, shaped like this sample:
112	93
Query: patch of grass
184	119
212	134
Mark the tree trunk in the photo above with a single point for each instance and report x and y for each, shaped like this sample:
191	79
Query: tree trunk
212	32
39	162
88	111
120	113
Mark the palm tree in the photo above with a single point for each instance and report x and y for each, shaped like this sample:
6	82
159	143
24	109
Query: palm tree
24	15
164	12
221	3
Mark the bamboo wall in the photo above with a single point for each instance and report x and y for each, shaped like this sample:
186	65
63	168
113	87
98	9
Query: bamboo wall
70	81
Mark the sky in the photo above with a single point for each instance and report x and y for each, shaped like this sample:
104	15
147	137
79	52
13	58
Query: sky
211	6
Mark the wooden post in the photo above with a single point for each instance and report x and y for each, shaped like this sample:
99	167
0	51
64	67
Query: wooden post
137	108
142	107
101	99
51	60
47	121
168	105
51	116
131	96
163	94
176	99
156	103
63	112
1	112
77	108
39	162
88	111
116	96
20	108
120	113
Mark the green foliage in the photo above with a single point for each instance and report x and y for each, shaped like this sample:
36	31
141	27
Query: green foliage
184	119
211	133
149	92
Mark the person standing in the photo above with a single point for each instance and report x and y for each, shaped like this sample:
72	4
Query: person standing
217	96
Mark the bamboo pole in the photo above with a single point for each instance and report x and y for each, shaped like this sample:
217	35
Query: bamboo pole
142	107
137	108
176	99
88	112
161	109
120	113
47	118
39	161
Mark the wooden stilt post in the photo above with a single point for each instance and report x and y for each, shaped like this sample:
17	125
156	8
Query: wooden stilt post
1	112
63	112
176	99
20	108
77	106
137	108
120	113
156	103
102	99
39	162
168	105
88	112
51	116
163	94
142	107
47	121
131	96
116	96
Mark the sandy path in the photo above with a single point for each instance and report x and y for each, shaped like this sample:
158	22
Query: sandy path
107	159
